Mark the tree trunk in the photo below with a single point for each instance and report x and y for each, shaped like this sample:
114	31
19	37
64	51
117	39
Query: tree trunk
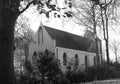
105	31
107	51
95	33
7	22
107	37
116	57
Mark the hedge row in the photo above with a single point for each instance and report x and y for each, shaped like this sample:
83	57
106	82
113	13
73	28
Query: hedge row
101	72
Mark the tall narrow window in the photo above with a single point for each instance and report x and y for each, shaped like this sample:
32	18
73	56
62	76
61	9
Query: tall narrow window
86	61
64	59
76	60
40	36
95	61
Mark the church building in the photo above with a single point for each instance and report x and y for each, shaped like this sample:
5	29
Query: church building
67	47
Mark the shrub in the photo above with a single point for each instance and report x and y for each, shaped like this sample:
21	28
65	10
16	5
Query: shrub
105	71
77	76
64	80
101	72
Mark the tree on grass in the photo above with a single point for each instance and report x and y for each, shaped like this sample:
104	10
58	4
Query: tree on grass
9	12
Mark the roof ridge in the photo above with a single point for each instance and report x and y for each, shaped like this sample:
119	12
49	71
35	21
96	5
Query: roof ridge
63	31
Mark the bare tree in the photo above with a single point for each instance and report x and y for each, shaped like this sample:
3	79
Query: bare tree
95	14
115	47
108	17
23	35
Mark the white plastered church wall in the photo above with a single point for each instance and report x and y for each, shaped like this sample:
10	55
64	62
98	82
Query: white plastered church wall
71	54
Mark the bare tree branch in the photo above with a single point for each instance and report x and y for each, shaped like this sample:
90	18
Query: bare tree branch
109	2
26	6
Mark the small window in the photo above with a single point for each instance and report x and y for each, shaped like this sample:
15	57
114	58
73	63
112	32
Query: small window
76	60
86	61
64	59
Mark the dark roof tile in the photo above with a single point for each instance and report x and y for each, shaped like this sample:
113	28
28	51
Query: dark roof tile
68	40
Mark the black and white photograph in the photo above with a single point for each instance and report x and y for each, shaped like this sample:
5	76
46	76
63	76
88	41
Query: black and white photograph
59	41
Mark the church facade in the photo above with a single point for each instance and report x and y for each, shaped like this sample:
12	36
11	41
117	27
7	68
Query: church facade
68	48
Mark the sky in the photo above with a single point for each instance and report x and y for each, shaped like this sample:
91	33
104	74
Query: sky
65	25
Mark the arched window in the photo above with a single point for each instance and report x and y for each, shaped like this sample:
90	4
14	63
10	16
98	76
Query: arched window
40	36
86	61
34	57
64	59
35	53
76	60
95	62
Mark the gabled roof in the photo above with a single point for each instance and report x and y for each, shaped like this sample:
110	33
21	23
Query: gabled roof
68	40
